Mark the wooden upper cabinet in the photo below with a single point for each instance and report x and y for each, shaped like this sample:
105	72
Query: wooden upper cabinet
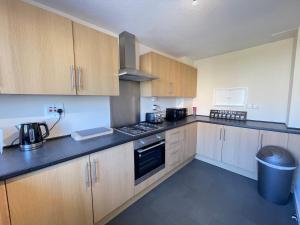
4	214
240	146
112	179
36	51
97	62
59	195
175	79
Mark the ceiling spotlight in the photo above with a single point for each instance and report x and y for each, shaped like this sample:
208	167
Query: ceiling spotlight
195	2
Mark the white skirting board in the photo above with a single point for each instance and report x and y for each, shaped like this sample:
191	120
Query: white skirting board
228	167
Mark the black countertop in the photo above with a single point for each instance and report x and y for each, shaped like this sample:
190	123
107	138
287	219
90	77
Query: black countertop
14	162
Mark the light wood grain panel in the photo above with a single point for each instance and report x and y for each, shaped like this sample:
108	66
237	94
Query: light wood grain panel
4	214
175	79
113	184
209	140
97	62
57	195
36	50
190	143
240	147
273	138
294	148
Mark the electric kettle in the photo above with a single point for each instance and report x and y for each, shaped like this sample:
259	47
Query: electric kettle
31	136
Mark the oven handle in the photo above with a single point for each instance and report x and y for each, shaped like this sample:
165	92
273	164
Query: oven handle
147	149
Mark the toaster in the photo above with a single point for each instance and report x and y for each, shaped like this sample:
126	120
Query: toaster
175	114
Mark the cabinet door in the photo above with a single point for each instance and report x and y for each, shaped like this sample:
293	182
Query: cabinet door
189	81
273	138
190	143
161	67
97	62
4	215
59	195
294	148
112	178
36	51
240	147
209	140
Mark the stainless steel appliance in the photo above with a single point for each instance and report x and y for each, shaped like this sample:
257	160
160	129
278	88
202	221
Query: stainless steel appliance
139	129
149	156
175	114
228	114
31	136
128	70
154	117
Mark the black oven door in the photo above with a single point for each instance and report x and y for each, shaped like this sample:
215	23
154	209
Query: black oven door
149	160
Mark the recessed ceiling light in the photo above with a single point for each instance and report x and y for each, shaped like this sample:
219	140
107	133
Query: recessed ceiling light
195	2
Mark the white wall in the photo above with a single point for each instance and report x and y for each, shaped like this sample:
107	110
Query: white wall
294	117
80	113
264	69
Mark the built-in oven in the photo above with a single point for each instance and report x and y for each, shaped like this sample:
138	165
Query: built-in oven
149	156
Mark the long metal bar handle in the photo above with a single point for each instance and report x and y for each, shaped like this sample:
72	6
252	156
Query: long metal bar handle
220	138
261	140
224	137
87	175
95	171
72	75
79	77
144	150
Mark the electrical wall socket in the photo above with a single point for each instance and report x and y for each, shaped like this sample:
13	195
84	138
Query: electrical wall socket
50	110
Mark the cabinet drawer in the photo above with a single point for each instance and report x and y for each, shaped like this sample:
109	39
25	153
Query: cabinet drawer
174	158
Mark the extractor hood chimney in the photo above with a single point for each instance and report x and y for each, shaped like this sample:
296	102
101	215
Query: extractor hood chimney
128	69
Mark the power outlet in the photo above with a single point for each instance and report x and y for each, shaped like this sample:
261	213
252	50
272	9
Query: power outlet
51	110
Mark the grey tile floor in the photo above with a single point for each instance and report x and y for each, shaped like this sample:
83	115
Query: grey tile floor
201	194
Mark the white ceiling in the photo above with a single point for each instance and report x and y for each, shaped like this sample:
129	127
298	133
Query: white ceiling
180	29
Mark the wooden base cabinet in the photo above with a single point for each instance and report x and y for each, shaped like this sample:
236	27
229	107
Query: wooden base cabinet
273	138
210	141
112	179
4	214
240	146
190	143
59	195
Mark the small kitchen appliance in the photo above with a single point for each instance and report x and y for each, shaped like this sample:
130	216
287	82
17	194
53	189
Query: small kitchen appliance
154	117
31	136
175	114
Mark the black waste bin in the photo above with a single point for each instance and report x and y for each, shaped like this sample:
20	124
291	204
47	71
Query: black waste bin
276	167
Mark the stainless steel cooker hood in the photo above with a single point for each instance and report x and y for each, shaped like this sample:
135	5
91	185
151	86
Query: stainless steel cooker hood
128	69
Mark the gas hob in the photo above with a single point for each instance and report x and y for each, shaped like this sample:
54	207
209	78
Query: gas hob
139	129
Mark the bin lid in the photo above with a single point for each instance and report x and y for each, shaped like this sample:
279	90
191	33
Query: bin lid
276	156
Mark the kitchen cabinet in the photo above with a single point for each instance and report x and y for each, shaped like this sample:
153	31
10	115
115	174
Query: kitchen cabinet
174	147
59	195
273	138
190	143
210	140
4	214
36	50
97	62
112	179
175	79
240	146
294	148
